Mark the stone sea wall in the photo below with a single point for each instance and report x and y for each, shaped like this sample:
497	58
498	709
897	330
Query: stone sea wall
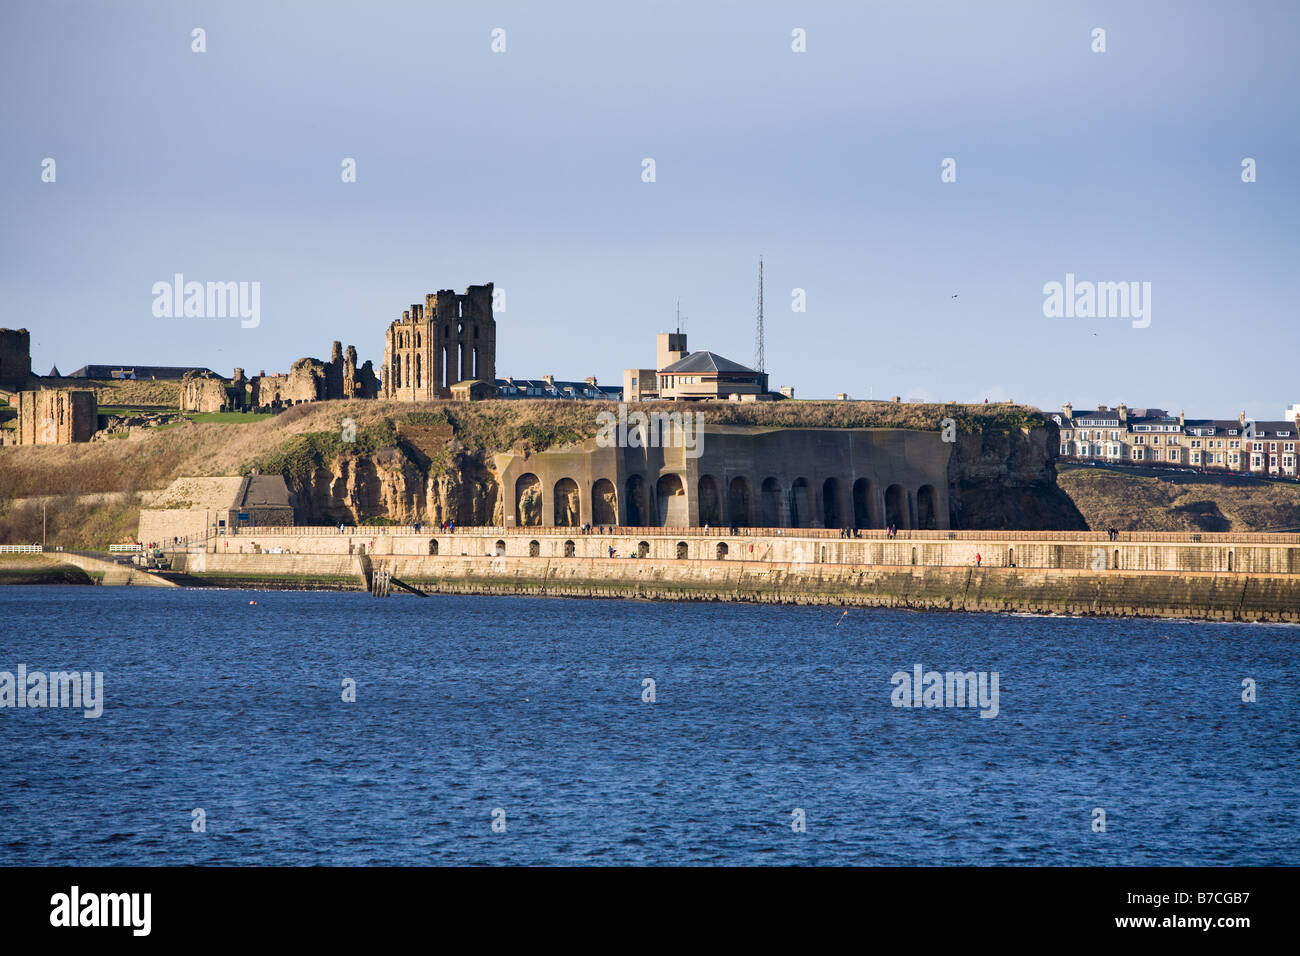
1202	595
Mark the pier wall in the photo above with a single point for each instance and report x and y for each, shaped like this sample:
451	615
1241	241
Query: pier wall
1120	593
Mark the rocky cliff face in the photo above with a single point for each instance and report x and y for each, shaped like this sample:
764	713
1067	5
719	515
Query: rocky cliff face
1006	479
389	485
998	478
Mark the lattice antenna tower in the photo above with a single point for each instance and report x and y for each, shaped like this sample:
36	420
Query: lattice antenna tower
760	361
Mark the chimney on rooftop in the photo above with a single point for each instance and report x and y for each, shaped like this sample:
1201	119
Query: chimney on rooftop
549	380
1123	412
1067	410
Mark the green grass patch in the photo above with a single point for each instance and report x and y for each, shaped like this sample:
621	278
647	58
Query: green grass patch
228	418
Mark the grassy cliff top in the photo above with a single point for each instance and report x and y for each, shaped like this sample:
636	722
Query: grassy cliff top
1177	502
314	432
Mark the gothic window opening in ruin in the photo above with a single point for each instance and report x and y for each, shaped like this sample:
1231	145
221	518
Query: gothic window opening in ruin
864	504
417	339
738	503
800	511
638	507
643	549
397	374
477	373
927	518
710	501
604	503
500	547
831	515
721	550
1117	559
534	549
770	503
896	506
914	555
449	366
1011	557
1229	561
433	545
528	501
417	372
682	551
568	549
566	503
670	496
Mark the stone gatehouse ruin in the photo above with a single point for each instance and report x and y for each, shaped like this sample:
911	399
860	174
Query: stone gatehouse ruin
53	416
749	477
449	340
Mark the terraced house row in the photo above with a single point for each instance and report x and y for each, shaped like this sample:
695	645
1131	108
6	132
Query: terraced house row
1152	436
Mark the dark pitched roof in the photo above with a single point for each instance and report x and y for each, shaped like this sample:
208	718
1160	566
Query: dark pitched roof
135	371
705	361
510	388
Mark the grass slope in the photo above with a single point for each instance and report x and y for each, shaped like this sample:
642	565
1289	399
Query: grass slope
1109	499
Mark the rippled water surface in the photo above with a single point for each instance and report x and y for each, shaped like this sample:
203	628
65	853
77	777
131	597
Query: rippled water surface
534	706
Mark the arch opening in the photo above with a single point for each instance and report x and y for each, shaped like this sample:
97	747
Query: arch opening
710	501
800	509
927	516
567	504
670	498
832	514
738	502
528	501
638	507
604	502
770	503
896	506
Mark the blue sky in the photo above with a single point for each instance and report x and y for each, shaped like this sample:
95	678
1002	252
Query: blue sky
523	168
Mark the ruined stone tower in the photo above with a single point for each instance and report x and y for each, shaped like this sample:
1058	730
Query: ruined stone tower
449	339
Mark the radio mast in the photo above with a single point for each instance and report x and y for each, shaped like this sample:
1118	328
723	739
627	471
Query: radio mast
759	360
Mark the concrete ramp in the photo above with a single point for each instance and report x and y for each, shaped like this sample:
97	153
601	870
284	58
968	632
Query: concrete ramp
112	574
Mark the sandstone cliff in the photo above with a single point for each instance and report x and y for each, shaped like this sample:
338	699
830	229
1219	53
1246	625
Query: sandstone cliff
1005	478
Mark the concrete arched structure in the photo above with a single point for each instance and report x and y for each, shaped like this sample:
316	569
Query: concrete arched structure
744	476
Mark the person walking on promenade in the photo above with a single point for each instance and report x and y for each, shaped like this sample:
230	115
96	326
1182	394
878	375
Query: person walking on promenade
977	559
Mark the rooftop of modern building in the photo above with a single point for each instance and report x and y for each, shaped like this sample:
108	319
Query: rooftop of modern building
705	362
